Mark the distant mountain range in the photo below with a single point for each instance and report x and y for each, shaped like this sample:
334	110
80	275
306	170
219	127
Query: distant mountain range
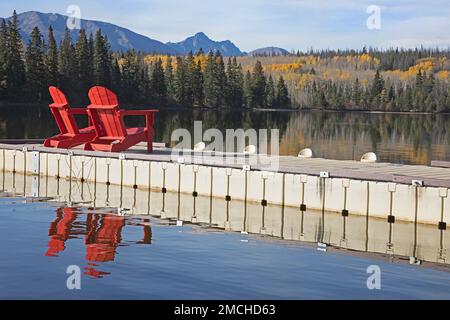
122	39
200	40
269	51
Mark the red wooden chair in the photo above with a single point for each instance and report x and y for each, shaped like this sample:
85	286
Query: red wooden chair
70	135
112	135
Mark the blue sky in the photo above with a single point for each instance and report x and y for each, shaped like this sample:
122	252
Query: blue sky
250	24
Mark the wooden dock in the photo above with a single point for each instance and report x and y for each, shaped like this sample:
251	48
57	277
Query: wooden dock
384	190
435	175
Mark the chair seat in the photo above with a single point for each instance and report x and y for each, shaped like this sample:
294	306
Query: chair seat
88	129
135	130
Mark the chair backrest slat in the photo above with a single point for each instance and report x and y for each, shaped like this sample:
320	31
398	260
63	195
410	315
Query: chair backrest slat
105	110
61	111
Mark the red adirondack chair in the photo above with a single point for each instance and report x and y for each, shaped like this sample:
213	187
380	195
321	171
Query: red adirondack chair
111	133
70	135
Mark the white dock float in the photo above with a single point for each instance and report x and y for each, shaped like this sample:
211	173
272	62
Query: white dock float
356	232
388	191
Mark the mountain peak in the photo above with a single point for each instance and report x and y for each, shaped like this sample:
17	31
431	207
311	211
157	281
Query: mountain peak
201	41
201	35
121	39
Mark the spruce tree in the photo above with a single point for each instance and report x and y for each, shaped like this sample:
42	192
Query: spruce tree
35	67
197	84
102	60
377	84
376	90
235	84
248	90
158	87
281	93
84	62
258	85
116	76
67	63
270	93
209	82
356	93
3	47
168	75
51	59
220	80
130	76
180	82
189	70
14	64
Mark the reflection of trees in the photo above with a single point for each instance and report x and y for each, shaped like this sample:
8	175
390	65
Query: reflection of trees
19	122
408	138
167	121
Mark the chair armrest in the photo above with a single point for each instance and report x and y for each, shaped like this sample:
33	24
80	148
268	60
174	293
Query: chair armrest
78	110
58	105
137	112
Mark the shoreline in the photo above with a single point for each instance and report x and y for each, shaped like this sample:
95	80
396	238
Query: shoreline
4	106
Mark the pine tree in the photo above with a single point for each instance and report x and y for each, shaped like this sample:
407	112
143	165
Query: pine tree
234	93
270	93
168	75
130	76
67	64
189	70
84	62
220	80
356	93
258	85
116	76
102	60
35	67
180	82
248	90
197	84
143	82
158	84
376	90
281	93
200	52
51	59
91	46
15	67
3	48
208	85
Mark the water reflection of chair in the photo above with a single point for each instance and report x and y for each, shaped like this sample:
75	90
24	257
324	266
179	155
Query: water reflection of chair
60	230
104	237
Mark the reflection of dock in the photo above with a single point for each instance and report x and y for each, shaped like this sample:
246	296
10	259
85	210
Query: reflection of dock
388	191
354	232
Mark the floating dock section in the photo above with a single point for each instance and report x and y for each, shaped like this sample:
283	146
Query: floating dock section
422	242
377	190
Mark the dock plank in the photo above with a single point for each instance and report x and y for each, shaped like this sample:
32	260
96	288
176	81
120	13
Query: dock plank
436	175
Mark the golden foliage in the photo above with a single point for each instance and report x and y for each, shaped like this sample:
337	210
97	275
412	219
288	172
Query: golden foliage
283	67
443	75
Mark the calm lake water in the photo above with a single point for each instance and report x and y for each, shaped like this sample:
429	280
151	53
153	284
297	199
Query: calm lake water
398	138
142	253
222	250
